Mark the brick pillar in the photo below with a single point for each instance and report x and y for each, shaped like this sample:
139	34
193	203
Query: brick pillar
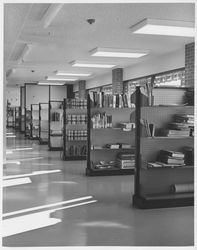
189	64
82	89
117	81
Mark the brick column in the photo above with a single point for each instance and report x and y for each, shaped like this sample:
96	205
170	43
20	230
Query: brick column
189	64
82	89
117	81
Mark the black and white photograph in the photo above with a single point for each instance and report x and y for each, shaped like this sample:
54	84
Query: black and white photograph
97	124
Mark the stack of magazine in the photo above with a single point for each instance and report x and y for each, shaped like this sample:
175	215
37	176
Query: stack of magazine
167	158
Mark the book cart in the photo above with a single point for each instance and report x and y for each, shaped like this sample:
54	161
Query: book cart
111	140
164	173
55	125
75	129
35	121
28	122
43	123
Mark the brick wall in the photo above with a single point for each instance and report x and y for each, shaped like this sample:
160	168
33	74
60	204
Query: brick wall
117	81
189	64
82	89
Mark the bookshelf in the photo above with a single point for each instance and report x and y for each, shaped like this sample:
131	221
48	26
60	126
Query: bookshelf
111	136
22	120
164	174
55	125
10	117
35	121
17	118
28	122
75	129
43	123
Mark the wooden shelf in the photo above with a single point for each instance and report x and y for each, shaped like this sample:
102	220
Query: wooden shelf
109	108
112	171
163	200
168	168
169	137
111	149
75	158
151	180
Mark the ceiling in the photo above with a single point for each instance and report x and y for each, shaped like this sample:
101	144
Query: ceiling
70	37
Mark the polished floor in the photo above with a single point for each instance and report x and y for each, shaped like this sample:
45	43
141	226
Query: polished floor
50	202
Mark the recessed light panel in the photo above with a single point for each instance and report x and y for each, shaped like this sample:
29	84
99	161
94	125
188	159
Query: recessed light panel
51	83
92	65
164	27
124	53
61	79
62	73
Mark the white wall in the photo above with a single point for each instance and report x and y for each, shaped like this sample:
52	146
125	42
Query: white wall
36	94
156	65
58	93
13	96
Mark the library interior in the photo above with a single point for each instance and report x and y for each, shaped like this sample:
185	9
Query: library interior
98	124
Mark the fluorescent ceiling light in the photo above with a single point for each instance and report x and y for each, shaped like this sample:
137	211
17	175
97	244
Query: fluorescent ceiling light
62	73
92	65
51	13
51	83
61	79
126	53
164	27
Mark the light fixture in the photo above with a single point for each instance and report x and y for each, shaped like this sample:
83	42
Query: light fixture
61	79
51	13
51	83
91	64
110	52
164	27
62	73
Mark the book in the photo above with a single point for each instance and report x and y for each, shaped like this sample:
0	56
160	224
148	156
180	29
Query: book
172	153
171	160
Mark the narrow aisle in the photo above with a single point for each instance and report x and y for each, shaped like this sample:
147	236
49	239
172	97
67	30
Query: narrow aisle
50	202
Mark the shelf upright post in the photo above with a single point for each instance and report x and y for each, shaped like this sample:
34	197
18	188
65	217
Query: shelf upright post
49	124
64	129
137	142
31	119
39	115
88	129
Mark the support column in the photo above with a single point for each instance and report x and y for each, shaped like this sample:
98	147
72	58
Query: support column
189	64
117	81
82	89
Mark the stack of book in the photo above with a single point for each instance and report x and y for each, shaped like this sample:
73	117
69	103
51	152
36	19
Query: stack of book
183	126
168	158
101	120
104	165
100	99
76	103
78	135
125	160
149	128
127	126
77	150
76	119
